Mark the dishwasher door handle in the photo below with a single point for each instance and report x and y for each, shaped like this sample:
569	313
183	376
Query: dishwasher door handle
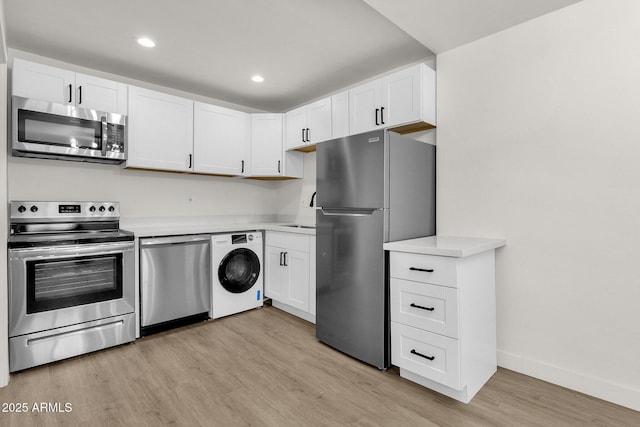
179	240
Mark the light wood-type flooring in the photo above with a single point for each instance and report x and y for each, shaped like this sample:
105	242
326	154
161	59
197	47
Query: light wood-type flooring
266	368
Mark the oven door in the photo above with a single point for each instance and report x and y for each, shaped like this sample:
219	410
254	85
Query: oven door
45	129
61	286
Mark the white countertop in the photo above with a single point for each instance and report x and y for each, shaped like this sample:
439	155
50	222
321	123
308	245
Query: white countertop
452	246
173	226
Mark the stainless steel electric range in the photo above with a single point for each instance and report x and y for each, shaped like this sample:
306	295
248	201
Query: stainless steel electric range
71	281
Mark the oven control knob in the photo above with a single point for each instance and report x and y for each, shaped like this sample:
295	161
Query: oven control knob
21	208
34	208
102	209
111	209
92	209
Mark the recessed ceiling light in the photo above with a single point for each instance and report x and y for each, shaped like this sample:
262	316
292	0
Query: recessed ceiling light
257	78
146	42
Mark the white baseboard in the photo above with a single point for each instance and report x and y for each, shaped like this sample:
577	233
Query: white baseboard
602	389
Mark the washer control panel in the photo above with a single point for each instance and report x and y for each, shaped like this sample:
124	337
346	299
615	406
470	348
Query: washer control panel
242	238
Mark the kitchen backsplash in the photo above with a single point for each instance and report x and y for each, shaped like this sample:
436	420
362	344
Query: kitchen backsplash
293	196
140	193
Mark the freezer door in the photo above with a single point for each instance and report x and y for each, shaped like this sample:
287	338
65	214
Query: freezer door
351	289
351	171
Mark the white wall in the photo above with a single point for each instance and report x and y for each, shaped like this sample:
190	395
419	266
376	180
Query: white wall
539	143
4	338
140	193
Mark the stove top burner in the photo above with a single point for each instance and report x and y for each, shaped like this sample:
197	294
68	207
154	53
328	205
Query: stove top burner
41	224
18	241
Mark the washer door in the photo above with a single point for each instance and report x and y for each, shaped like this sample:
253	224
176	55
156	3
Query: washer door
239	270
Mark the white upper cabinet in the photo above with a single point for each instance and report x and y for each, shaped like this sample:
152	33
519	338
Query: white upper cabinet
364	107
160	131
404	100
340	114
295	128
31	80
38	81
101	94
221	140
319	120
308	125
268	158
266	145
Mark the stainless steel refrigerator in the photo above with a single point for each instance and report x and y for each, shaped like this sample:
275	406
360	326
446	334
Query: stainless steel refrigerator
372	188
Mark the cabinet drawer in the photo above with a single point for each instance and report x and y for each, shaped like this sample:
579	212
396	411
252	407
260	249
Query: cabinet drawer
429	307
438	270
291	241
427	354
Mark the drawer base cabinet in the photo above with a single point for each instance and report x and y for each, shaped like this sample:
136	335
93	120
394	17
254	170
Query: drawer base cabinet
443	322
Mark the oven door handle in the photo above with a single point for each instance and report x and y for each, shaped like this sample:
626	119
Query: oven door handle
70	251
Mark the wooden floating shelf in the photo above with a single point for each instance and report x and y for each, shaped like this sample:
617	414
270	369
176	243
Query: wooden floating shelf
413	127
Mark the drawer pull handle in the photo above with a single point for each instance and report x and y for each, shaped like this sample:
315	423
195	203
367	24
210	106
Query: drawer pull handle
421	307
426	270
422	355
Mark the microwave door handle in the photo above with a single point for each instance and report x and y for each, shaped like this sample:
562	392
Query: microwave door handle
103	131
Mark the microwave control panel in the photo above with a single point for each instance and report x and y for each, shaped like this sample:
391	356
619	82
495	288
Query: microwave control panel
115	137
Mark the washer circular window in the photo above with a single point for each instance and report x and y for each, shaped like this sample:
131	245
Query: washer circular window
239	270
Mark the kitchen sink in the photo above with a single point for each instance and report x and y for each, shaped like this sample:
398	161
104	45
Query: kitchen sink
299	226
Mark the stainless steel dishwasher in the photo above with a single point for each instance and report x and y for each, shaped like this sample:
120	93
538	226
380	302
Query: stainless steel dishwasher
175	281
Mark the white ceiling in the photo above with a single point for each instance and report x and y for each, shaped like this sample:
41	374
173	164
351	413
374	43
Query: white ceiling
444	25
303	48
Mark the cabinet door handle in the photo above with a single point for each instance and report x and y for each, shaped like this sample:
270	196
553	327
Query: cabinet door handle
70	93
426	270
190	160
281	256
377	124
421	307
382	115
242	166
79	95
286	261
278	166
413	351
308	137
303	135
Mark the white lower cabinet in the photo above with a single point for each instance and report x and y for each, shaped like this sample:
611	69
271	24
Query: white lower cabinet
290	279
443	322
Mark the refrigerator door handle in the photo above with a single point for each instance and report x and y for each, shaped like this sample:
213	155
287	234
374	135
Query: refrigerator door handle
349	212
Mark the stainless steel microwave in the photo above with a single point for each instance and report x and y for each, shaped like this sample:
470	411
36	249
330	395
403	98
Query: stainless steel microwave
66	132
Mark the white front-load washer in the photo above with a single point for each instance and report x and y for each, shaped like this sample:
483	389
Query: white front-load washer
237	273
